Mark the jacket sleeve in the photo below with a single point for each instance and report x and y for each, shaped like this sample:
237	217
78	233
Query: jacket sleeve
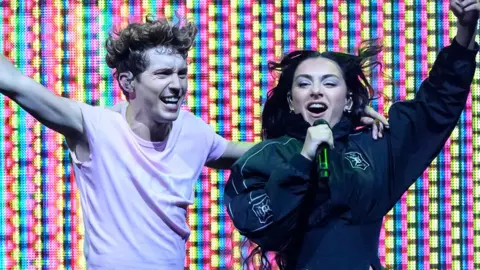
264	195
419	128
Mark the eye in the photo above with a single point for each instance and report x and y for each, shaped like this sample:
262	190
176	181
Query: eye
163	73
303	84
182	74
330	84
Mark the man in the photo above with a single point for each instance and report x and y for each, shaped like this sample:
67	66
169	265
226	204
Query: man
135	165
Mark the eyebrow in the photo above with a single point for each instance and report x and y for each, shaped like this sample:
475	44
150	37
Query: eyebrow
326	76
169	69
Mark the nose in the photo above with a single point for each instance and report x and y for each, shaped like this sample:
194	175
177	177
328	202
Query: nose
317	90
175	83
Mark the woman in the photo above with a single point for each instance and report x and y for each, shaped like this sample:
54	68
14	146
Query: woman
275	195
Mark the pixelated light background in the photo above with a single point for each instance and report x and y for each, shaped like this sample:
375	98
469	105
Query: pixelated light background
60	44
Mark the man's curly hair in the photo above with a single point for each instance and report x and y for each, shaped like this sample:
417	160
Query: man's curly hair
126	48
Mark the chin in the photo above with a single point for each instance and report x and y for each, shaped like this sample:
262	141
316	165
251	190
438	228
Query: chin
167	117
329	121
311	120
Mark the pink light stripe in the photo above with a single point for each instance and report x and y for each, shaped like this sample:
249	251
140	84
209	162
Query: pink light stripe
336	24
402	88
425	222
381	86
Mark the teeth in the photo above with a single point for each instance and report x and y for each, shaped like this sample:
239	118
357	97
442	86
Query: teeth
171	99
316	105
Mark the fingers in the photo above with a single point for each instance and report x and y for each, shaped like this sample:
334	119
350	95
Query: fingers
456	7
380	129
460	7
367	121
331	141
321	134
316	136
369	111
375	131
377	126
473	7
376	120
466	3
383	121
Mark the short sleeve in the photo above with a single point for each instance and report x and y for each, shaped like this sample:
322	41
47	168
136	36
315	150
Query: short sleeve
118	107
217	147
201	137
91	117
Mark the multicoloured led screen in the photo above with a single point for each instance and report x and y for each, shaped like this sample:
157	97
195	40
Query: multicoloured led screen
60	44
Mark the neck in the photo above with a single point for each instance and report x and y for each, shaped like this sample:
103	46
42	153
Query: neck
144	127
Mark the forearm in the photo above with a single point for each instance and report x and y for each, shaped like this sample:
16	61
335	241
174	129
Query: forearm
420	128
55	112
233	152
466	35
11	81
237	149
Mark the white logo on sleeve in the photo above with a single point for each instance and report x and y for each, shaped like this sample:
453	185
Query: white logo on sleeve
262	210
356	160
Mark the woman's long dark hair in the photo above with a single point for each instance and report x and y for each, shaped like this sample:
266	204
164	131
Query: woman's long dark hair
276	107
352	66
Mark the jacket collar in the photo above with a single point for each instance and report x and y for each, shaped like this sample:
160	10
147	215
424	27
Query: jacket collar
296	127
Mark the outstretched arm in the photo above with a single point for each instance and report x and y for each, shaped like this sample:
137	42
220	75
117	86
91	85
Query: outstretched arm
58	113
419	128
235	150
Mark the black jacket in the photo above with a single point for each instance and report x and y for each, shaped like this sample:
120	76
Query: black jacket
275	199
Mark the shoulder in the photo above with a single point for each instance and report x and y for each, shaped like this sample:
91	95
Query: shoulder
271	145
118	107
97	114
266	153
189	119
193	124
360	133
362	141
361	144
192	128
363	136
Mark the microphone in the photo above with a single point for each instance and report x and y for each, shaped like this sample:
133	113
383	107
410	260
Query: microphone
322	154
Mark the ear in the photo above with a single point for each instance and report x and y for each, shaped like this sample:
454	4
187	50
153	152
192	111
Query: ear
348	103
126	82
289	100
